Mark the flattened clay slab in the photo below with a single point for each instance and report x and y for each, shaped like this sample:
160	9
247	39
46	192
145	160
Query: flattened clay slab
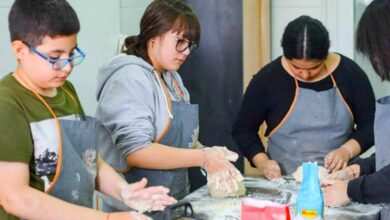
298	174
221	194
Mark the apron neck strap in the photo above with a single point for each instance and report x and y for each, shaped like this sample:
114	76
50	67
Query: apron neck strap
57	123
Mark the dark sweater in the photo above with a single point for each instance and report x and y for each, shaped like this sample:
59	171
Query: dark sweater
271	92
371	186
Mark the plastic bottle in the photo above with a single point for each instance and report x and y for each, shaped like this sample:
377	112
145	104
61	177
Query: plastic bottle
310	201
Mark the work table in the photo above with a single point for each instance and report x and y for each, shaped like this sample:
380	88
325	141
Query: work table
283	192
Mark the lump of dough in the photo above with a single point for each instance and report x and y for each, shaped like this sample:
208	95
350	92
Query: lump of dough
221	194
298	174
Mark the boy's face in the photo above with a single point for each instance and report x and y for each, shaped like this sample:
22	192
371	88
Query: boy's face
38	71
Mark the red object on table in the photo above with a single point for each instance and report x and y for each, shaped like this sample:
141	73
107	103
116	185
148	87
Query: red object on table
255	209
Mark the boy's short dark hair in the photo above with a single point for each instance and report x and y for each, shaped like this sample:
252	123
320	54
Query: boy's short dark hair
32	20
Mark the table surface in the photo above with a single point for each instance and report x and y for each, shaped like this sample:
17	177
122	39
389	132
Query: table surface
283	192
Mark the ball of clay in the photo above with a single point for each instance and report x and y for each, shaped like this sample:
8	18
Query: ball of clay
298	174
221	194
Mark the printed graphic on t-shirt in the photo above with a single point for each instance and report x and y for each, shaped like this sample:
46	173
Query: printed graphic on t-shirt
46	143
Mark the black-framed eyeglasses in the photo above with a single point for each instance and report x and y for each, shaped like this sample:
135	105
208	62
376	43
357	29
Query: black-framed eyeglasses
183	44
59	64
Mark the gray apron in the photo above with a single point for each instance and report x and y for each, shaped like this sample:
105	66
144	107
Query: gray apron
180	134
318	123
382	141
76	181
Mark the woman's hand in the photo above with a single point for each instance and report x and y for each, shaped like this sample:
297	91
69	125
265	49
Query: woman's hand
218	159
335	193
221	173
337	159
348	173
270	169
143	199
226	181
221	153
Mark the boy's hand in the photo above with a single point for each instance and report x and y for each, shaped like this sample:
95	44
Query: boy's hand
127	215
143	199
139	216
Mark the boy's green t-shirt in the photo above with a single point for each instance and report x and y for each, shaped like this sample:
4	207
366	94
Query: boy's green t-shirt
27	130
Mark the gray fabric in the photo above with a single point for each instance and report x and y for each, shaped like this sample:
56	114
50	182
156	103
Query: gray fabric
131	104
382	141
182	133
133	108
319	123
76	183
108	151
385	212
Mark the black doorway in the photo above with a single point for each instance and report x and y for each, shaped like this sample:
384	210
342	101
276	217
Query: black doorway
214	74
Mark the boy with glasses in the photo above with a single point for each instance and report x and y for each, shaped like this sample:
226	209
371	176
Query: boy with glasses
47	144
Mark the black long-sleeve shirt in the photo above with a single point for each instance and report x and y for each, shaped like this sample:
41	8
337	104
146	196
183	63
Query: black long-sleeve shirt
371	186
271	93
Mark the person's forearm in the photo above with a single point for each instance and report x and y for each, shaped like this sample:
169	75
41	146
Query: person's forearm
259	158
158	156
29	203
108	180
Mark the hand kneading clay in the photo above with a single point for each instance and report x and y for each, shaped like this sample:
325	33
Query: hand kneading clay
322	174
214	192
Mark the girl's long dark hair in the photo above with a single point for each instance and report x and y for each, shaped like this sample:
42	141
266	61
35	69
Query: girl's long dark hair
373	36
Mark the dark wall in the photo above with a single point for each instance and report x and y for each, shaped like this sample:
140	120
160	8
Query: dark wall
213	74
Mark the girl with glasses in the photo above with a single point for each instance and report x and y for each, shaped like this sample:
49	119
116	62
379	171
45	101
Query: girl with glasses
143	103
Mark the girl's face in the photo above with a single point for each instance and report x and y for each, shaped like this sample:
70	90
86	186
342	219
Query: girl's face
169	51
306	70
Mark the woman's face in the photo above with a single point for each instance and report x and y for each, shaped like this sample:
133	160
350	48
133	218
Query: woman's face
168	51
306	70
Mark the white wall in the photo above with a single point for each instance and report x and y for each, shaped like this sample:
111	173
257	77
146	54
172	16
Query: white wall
7	61
131	13
100	30
336	15
102	23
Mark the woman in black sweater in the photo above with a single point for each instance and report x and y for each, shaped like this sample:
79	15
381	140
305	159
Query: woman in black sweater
318	106
370	177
